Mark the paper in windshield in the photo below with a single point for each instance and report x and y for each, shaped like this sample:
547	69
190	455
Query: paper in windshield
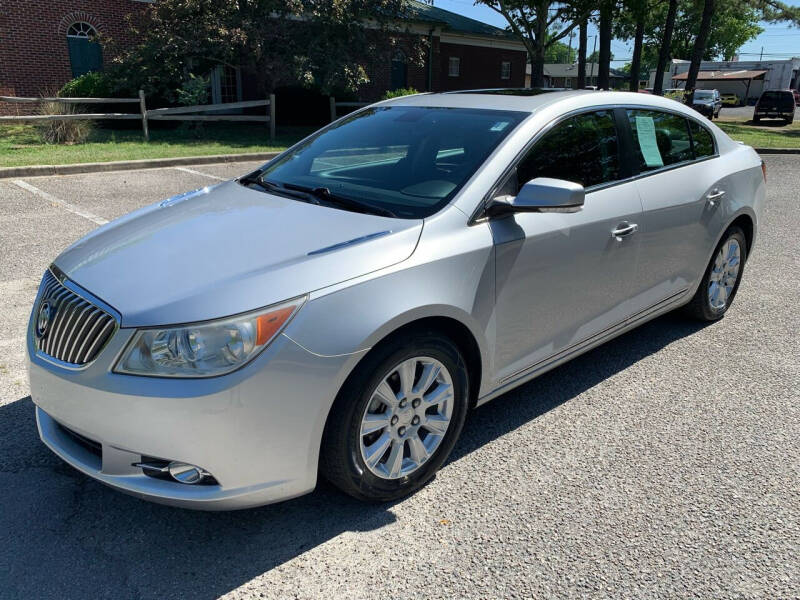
646	132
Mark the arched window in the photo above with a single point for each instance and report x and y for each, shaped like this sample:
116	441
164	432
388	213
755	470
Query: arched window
85	53
399	70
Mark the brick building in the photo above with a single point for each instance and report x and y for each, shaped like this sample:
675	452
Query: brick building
45	44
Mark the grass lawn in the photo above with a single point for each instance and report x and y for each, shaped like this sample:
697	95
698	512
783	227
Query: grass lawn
764	135
20	144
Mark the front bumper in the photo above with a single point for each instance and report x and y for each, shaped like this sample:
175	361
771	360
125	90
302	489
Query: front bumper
257	430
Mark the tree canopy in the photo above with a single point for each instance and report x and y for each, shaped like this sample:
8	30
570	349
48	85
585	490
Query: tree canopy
323	43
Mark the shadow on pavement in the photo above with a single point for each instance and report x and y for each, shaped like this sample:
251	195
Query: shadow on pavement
64	535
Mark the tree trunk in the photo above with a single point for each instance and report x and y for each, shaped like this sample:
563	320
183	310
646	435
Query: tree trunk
604	60
636	59
700	45
666	42
537	56
582	54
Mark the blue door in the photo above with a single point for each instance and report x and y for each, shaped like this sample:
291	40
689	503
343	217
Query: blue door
85	54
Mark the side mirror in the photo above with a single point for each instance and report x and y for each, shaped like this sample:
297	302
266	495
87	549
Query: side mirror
542	194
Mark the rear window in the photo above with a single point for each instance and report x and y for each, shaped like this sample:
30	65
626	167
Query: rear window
777	95
702	140
659	139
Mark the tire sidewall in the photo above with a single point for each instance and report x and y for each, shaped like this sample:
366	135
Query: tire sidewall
358	393
709	312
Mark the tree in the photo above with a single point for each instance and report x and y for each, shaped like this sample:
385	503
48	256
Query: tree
666	41
604	66
700	45
582	53
559	52
594	57
539	24
321	43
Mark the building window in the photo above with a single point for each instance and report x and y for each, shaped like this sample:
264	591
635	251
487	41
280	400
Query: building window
505	69
226	85
85	52
454	66
399	75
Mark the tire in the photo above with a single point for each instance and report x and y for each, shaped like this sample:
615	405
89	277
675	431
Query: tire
344	446
756	119
701	306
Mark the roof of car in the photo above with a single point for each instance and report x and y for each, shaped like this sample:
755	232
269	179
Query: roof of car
530	99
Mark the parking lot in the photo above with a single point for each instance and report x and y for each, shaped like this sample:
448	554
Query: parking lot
665	464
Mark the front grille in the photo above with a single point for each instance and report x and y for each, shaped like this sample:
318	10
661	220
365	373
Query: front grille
73	330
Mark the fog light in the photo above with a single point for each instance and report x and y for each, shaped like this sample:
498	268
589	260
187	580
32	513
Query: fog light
183	473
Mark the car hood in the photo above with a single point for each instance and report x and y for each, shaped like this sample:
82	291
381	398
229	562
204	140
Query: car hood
228	249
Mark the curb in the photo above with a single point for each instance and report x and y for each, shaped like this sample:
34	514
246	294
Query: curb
778	150
127	165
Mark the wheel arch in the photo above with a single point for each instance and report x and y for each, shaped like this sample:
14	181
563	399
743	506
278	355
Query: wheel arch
746	223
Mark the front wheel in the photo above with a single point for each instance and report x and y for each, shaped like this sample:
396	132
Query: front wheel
397	418
721	279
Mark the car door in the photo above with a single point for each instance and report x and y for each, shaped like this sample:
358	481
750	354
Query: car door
562	278
681	190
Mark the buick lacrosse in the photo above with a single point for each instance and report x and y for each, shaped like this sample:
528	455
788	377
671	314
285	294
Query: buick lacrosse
339	311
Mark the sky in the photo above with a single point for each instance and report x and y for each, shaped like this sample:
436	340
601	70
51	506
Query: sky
778	40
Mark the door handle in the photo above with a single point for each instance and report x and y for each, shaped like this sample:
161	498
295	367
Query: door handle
714	196
624	230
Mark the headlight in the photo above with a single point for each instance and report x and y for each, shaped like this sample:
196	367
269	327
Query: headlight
205	349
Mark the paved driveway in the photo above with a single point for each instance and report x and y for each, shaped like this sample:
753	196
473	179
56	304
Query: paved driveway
664	464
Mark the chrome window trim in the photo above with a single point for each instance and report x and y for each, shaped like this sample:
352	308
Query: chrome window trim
478	215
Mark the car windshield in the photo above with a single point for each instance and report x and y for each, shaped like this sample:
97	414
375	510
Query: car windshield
408	160
700	95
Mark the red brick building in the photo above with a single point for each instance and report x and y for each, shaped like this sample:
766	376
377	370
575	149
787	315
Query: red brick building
44	44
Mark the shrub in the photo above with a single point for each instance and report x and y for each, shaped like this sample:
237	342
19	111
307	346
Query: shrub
193	91
62	132
89	85
399	92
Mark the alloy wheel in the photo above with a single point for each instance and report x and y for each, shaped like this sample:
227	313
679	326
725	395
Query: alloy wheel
724	274
407	417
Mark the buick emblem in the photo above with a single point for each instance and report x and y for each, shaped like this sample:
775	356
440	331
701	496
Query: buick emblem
43	318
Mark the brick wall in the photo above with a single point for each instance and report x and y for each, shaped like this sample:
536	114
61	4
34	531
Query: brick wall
33	45
380	71
479	67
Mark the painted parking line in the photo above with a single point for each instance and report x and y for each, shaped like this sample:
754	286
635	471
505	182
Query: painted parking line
59	202
193	172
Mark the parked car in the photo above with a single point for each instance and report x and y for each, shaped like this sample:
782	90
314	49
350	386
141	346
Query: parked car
796	95
707	102
339	310
775	104
731	100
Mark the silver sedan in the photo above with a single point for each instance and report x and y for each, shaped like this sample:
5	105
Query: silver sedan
340	310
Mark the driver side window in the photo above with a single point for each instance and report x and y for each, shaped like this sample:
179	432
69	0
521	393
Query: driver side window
582	149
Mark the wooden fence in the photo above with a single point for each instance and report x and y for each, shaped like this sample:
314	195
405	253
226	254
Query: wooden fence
178	113
334	105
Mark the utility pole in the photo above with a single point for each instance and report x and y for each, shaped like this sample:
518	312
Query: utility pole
761	56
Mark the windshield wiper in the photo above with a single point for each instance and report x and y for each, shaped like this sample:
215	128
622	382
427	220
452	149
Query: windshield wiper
325	194
271	186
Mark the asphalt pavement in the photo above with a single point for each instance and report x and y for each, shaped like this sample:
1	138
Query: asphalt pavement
665	464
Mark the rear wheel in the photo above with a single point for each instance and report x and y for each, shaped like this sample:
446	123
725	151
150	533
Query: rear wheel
396	419
721	280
